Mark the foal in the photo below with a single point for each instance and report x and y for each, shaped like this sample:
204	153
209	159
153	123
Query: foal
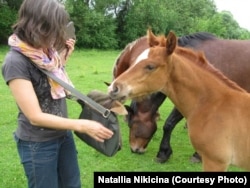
217	110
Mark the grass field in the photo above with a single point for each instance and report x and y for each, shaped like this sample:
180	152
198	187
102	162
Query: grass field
88	70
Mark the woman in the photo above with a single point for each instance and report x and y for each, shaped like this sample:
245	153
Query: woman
44	139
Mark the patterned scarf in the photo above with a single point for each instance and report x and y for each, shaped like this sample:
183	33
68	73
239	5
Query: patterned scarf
49	61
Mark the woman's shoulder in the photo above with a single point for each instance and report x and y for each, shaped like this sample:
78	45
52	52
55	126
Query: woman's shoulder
14	55
15	58
15	65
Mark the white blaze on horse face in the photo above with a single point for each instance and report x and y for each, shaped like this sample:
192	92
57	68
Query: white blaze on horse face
143	55
126	89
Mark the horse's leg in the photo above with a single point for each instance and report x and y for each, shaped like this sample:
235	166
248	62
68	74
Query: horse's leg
196	158
165	149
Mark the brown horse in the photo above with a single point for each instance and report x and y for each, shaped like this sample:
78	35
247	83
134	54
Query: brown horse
216	109
142	114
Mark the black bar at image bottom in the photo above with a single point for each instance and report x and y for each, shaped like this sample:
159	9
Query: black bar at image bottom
171	179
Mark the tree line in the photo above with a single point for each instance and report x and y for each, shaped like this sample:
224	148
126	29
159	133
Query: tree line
111	24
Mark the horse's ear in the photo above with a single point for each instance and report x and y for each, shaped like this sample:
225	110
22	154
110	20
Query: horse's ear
171	42
129	110
118	108
152	39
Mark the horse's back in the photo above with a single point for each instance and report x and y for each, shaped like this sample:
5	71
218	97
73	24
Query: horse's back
232	57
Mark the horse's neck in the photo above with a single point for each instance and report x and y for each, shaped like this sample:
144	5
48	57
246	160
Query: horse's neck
189	86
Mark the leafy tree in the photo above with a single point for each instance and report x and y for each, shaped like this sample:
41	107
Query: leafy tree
141	15
244	34
231	26
14	4
7	18
161	15
93	29
111	24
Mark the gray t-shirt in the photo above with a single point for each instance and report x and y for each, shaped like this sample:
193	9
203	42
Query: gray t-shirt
17	66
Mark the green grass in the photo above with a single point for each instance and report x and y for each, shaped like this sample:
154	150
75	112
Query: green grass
88	69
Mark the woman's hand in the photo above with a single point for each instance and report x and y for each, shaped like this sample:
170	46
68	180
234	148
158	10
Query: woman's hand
70	46
95	130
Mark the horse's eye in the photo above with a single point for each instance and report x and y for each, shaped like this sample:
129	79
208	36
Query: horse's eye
150	67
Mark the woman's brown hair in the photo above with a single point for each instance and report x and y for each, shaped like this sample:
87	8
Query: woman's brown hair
41	23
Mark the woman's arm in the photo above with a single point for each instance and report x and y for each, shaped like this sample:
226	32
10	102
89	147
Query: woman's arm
25	96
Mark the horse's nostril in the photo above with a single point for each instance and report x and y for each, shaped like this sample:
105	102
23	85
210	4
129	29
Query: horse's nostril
112	90
137	151
115	90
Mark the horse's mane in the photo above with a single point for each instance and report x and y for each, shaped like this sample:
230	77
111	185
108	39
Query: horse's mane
202	62
193	39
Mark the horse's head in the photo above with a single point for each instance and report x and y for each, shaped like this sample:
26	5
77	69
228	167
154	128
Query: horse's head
148	73
142	117
142	112
142	125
